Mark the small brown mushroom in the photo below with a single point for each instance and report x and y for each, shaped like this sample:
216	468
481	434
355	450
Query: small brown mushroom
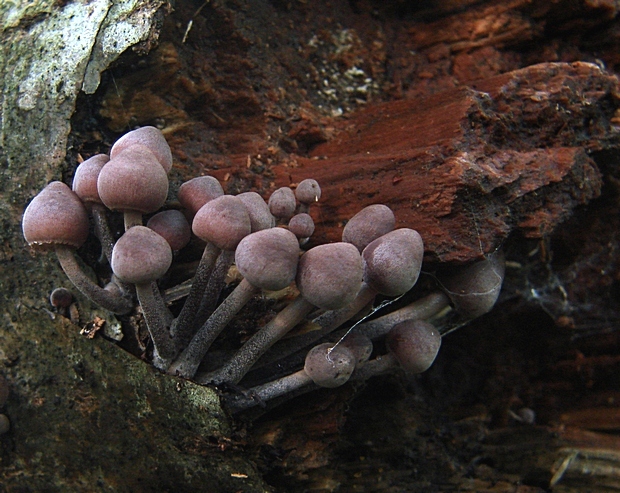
267	260
328	276
195	193
133	182
140	257
413	346
368	224
282	203
149	137
57	220
222	222
173	227
85	186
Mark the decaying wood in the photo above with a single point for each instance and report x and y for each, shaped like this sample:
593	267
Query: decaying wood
469	166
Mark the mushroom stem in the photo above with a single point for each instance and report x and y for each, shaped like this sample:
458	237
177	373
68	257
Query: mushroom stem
377	366
102	229
326	323
214	288
421	309
271	390
132	218
87	287
236	368
189	360
183	327
155	315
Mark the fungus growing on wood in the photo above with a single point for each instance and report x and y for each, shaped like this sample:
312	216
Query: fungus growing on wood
368	224
195	193
282	203
173	227
222	222
474	289
57	220
307	193
267	260
149	137
391	266
326	365
85	186
140	257
133	182
328	277
413	346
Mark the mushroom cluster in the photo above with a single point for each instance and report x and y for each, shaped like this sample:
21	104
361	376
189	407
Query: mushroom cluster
322	337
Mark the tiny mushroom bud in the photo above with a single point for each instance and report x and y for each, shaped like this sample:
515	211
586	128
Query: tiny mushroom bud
149	137
133	182
474	289
330	366
325	365
301	225
195	193
368	224
140	257
328	276
61	298
282	203
308	191
267	260
56	219
172	226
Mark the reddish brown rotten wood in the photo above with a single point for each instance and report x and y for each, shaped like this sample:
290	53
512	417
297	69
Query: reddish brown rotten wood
468	166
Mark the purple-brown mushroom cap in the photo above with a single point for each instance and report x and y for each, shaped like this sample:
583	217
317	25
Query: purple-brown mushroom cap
308	191
56	216
260	215
330	276
329	366
393	261
173	227
195	193
85	179
301	225
149	137
474	289
140	256
282	203
268	259
133	180
414	344
223	221
368	224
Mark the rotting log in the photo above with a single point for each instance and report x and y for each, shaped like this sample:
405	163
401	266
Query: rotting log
469	166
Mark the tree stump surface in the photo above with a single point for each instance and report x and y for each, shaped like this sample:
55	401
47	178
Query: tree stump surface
480	123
